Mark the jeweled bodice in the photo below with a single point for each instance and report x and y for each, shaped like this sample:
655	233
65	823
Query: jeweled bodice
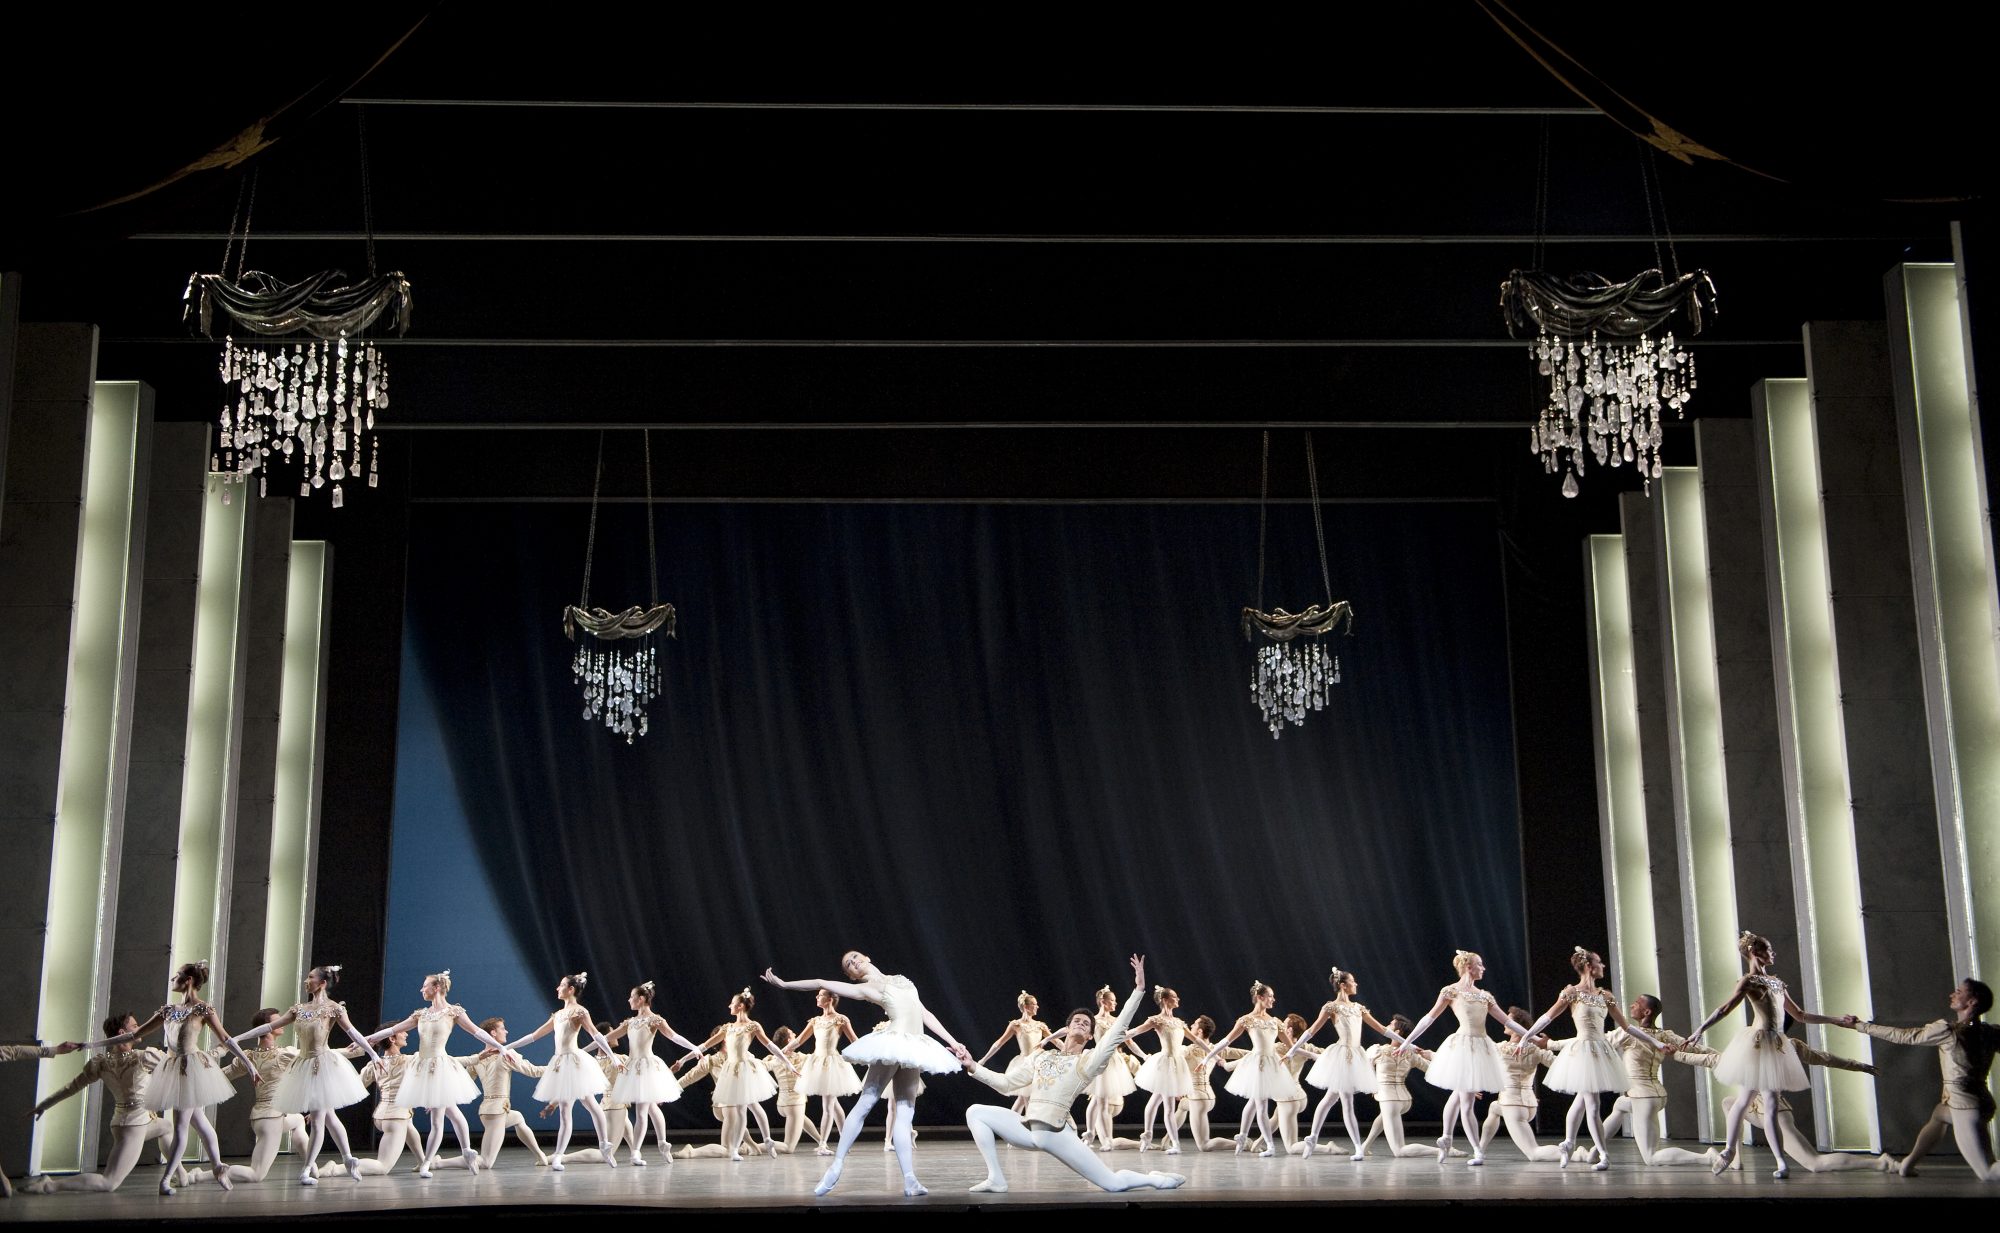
569	1025
1263	1033
1030	1033
185	1022
736	1039
901	1005
1172	1032
1347	1023
1470	1007
639	1033
826	1034
315	1023
434	1027
1587	1008
1766	997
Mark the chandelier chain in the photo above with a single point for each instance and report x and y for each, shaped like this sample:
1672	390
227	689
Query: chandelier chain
1319	529
1652	215
1666	224
590	542
367	191
1542	197
652	552
1263	497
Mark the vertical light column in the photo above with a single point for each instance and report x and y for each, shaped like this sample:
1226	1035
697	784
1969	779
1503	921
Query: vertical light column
1812	740
1621	785
96	736
215	723
295	808
1701	791
1958	618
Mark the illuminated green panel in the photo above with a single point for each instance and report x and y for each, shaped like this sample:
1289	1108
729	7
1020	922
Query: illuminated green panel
208	786
295	809
1822	820
1959	550
1621	777
72	958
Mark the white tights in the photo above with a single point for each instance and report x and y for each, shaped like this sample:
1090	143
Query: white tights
177	1144
1643	1112
326	1125
271	1133
1461	1108
1389	1124
1739	1107
990	1122
1968	1126
127	1144
614	1129
566	1125
1196	1109
902	1084
1346	1102
1520	1123
495	1127
397	1133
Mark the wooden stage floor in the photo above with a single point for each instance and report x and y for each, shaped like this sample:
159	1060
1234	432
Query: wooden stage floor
520	1188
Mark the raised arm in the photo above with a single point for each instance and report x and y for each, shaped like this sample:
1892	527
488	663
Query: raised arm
1736	997
1430	1017
347	1025
1101	1054
548	1025
154	1022
84	1078
1933	1033
1325	1013
1013	1029
392	1029
838	988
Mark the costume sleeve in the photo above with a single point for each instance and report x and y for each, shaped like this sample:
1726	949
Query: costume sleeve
998	1080
1934	1033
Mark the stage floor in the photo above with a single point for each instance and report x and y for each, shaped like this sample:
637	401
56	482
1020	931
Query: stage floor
520	1187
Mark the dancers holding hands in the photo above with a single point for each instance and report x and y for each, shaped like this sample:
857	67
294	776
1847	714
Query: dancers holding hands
1589	1063
1467	1063
1342	1068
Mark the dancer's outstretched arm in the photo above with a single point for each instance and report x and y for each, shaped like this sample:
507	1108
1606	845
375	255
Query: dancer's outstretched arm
938	1029
663	1028
838	988
158	1018
1549	1016
548	1025
1430	1017
228	1042
92	1070
478	1033
1325	1013
758	1029
347	1025
1100	1056
1632	1029
1237	1029
394	1028
1803	1015
1380	1029
278	1024
1004	1038
1493	1010
601	1042
1735	998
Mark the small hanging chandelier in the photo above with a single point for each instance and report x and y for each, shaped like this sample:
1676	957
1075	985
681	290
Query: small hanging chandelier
1615	369
1289	677
618	665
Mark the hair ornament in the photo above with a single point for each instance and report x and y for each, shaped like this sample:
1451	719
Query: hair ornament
646	987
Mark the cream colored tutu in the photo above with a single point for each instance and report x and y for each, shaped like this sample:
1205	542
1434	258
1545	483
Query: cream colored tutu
569	1077
435	1083
1761	1060
646	1081
1262	1078
1343	1069
318	1081
826	1074
1588	1064
1167	1073
1116	1082
1467	1061
901	1049
742	1083
187	1081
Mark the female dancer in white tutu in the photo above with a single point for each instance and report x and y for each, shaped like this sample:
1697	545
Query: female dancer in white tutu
494	1070
571	1075
895	1056
1761	1058
1026	1030
1053	1081
824	1073
1589	1063
1343	1069
647	1082
1645	1097
1112	1085
1261	1075
1466	1064
187	1080
320	1080
1166	1074
741	1082
124	1070
1517	1103
434	1080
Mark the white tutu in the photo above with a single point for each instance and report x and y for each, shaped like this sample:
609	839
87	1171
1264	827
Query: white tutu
1116	1082
742	1083
318	1081
901	1049
826	1074
1467	1061
187	1081
1588	1064
646	1081
569	1077
1269	1081
1340	1068
1166	1073
435	1083
1761	1061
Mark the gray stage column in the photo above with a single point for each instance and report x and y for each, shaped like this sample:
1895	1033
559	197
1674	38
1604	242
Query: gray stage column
1639	519
39	536
263	634
1905	930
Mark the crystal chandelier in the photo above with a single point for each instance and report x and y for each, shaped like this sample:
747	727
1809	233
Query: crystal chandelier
1289	677
617	662
1614	372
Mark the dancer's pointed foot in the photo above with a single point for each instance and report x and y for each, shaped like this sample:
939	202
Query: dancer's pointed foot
424	1170
473	1163
307	1177
828	1180
1167	1181
1359	1155
166	1188
1478	1158
1174	1148
1310	1144
912	1188
823	1150
556	1165
1781	1172
1145	1143
221	1175
1600	1166
1723	1159
1444	1149
992	1185
1268	1152
42	1184
1564	1151
1239	1144
354	1168
1886	1163
638	1161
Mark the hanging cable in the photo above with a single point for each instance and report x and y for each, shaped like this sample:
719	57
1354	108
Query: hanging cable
652	553
367	190
1319	531
1263	496
590	542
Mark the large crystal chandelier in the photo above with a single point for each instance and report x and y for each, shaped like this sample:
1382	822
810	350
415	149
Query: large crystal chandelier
617	661
305	386
1293	672
1615	369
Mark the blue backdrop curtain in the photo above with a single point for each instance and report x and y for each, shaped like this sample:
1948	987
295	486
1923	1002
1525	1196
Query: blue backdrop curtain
997	747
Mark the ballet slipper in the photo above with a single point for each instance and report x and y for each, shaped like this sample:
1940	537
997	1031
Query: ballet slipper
1723	1159
1782	1172
912	1188
308	1176
221	1175
1886	1163
556	1165
1309	1145
1600	1166
166	1188
991	1185
354	1168
638	1161
1564	1151
828	1180
1167	1181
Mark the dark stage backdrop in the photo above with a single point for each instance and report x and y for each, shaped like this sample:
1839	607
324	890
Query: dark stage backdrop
996	747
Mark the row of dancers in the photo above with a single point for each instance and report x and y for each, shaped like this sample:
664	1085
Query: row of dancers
160	1095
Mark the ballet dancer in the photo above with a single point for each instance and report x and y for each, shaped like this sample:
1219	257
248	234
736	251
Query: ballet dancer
570	1076
1795	1144
1761	1058
270	1129
187	1080
1392	1066
1200	1101
1517	1104
646	1082
124	1069
741	1082
1110	1088
617	1114
1285	1113
1028	1032
321	1079
435	1081
1589	1063
395	1128
825	1073
1645	1098
1466	1064
1053	1083
895	1057
1261	1075
1966	1045
1343	1069
791	1101
494	1069
1166	1074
